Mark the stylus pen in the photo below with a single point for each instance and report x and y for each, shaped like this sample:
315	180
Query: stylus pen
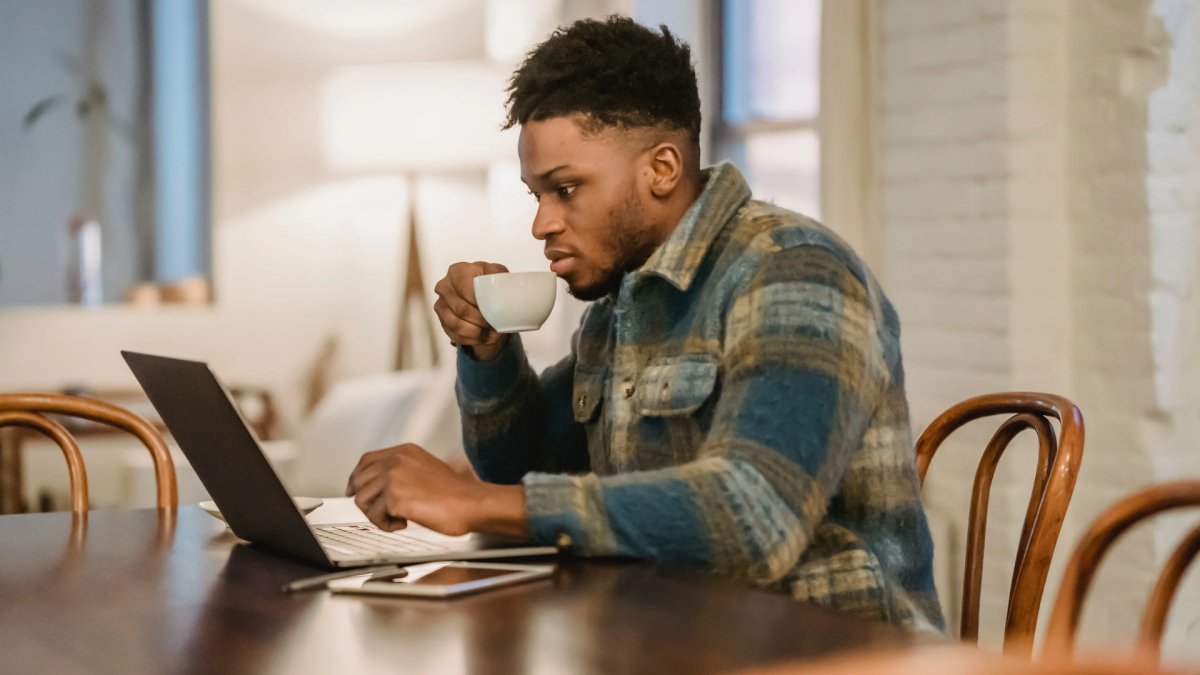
319	581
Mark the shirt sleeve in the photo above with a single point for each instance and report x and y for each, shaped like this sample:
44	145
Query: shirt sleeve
803	368
515	422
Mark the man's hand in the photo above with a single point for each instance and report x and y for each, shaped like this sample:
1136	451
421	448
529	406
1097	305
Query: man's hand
458	310
402	483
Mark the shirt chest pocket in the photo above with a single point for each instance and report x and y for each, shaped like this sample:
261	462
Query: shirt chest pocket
676	386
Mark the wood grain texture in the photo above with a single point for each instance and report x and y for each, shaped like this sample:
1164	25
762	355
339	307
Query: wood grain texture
136	591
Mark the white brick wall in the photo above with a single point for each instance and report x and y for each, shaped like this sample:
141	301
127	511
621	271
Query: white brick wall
1173	189
1039	173
945	213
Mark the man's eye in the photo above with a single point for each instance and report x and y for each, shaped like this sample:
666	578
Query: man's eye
565	191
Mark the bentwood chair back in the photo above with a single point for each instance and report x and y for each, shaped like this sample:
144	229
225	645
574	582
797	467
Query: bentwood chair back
1105	530
33	411
1054	483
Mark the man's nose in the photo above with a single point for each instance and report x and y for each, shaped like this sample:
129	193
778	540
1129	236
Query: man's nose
546	222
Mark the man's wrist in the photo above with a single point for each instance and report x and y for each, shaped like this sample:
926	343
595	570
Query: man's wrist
487	353
500	509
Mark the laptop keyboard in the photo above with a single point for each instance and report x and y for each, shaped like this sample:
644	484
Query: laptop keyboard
365	540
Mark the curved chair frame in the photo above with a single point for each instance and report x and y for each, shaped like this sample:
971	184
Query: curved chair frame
1054	483
70	449
29	410
1154	618
1105	530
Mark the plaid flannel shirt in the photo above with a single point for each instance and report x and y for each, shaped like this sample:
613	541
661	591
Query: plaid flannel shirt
738	405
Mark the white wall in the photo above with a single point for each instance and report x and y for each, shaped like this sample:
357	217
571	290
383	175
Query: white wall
1173	142
306	247
1038	166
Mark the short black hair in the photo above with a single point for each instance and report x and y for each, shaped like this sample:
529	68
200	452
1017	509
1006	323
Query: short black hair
615	71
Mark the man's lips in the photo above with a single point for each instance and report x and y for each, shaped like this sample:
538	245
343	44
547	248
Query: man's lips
560	261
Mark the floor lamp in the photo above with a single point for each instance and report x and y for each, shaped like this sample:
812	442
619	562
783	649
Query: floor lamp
406	119
412	294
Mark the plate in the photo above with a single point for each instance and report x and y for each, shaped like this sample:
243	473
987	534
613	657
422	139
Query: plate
306	505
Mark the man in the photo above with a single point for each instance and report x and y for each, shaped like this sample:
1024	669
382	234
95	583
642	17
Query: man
734	398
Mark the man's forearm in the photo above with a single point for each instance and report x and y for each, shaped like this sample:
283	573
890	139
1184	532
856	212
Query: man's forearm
498	403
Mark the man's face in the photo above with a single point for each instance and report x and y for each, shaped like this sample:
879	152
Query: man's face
590	213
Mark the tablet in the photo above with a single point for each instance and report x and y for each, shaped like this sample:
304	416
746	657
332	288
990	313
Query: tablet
441	579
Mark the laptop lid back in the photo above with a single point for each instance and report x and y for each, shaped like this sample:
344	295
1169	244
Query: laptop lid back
224	453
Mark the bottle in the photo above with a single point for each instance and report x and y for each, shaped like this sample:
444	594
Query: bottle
85	280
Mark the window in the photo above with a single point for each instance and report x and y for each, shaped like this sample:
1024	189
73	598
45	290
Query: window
105	161
770	54
181	142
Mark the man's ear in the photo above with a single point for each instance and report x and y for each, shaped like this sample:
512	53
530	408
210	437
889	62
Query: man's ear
665	168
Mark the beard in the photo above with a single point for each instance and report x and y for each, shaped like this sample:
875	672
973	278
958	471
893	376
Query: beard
630	246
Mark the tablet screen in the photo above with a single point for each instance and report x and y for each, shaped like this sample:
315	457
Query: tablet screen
450	575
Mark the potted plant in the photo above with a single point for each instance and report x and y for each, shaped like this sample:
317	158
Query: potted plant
90	106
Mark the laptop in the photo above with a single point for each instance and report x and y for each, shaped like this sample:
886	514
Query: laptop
231	465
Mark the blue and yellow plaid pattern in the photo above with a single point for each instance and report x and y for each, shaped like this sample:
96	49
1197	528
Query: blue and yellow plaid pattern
738	406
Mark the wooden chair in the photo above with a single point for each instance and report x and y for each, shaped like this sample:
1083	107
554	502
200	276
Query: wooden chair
30	411
1057	468
1110	525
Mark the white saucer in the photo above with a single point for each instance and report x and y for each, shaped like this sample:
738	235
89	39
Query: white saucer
306	505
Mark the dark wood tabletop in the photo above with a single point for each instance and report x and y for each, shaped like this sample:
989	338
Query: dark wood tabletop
140	591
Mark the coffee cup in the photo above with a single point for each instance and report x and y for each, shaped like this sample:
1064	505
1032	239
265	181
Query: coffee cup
516	301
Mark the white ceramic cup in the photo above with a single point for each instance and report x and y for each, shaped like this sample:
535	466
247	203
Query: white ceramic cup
516	301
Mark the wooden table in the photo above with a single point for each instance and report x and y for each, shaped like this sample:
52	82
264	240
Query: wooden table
136	591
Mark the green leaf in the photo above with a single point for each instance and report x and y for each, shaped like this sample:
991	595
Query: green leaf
41	108
97	95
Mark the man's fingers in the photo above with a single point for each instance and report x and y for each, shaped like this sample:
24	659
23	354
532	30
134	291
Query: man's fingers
393	518
369	491
465	310
465	333
456	329
461	280
464	284
378	514
442	286
394	523
457	289
369	484
365	464
379	510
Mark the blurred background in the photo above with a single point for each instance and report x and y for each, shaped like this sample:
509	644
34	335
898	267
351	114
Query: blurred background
274	186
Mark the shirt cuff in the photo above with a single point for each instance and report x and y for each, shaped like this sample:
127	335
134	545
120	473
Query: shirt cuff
550	502
487	380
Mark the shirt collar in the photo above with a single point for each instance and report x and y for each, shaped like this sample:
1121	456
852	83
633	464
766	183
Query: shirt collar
679	257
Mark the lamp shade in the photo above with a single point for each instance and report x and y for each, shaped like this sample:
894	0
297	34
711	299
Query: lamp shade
426	116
